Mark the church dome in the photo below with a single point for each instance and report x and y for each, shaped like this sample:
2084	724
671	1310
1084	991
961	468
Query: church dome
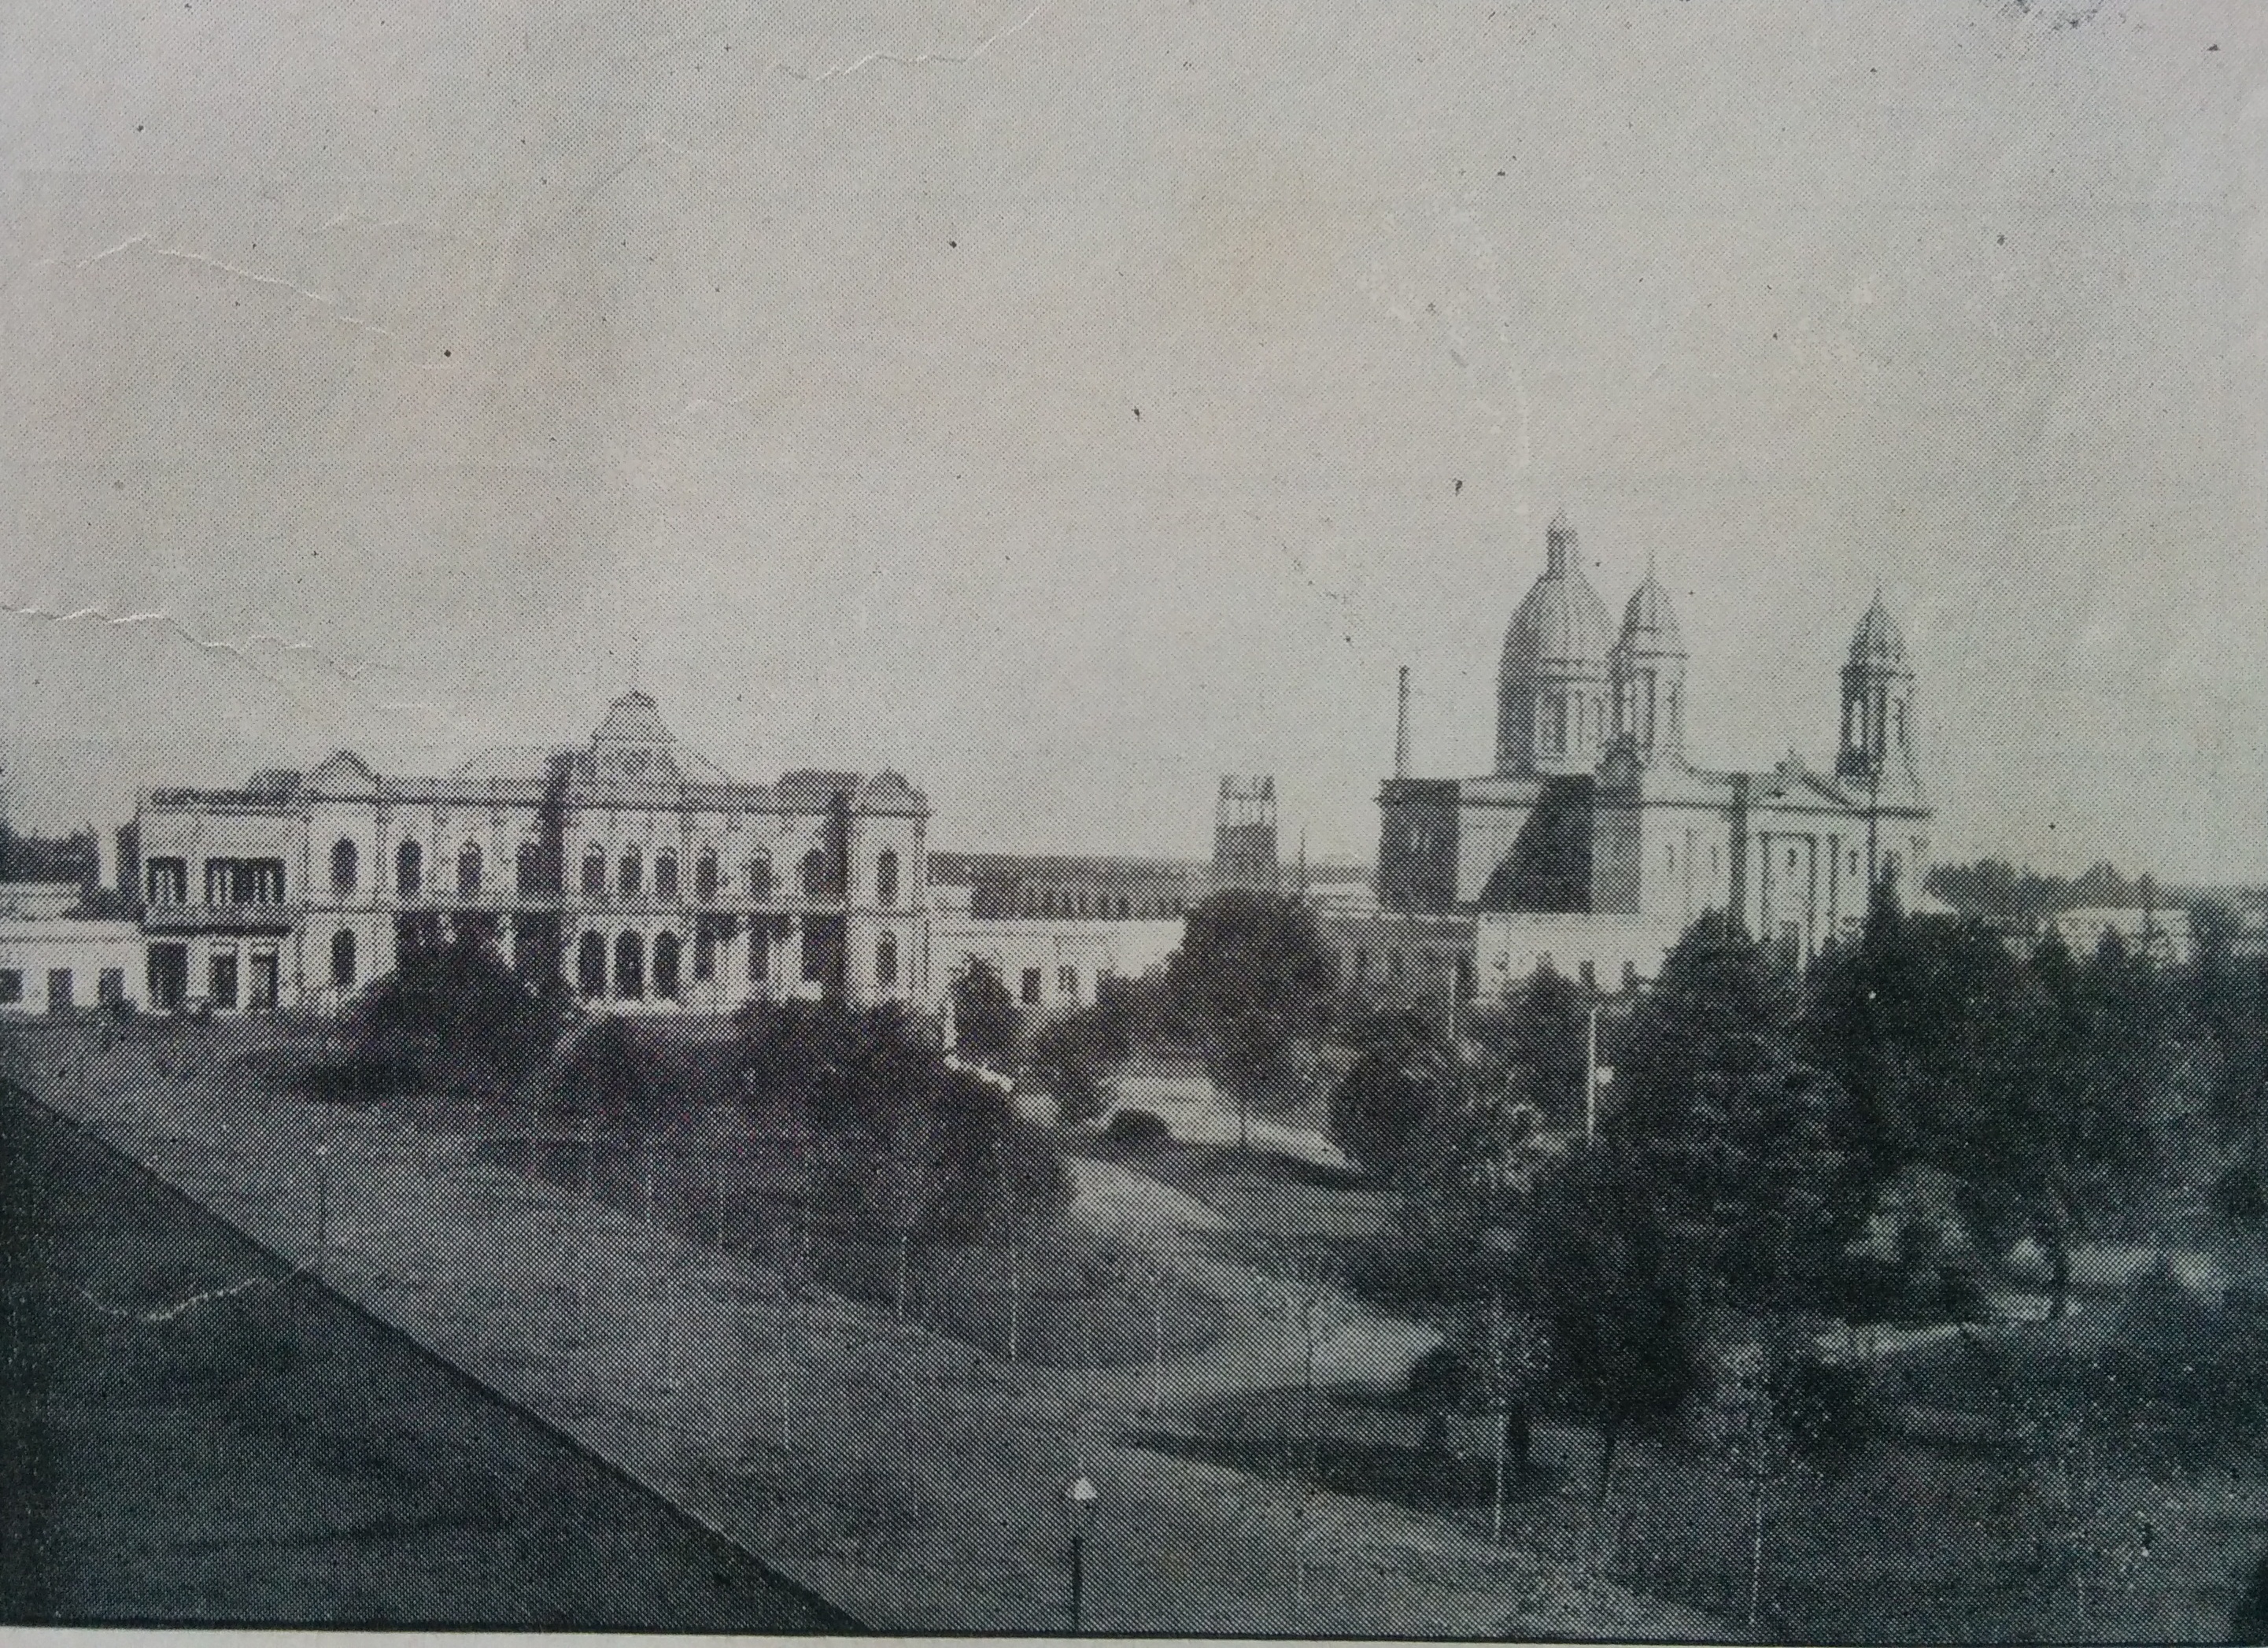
1878	642
1561	625
1649	624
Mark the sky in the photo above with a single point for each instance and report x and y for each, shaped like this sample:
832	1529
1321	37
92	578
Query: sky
1067	405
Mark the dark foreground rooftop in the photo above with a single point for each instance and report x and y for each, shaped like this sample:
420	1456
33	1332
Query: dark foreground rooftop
189	1435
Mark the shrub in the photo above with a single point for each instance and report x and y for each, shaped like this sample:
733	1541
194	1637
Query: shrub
1826	1408
1137	1130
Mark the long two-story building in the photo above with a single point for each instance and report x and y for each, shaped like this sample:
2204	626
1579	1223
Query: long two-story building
628	866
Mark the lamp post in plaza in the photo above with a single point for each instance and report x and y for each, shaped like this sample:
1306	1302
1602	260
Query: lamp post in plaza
1078	1511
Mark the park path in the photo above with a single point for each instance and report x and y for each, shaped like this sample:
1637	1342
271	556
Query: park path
912	1481
1273	1322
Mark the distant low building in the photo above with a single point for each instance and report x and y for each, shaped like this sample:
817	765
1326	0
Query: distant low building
1056	926
2163	934
55	956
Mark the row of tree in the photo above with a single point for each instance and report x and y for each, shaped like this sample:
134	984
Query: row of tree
1787	1148
893	1140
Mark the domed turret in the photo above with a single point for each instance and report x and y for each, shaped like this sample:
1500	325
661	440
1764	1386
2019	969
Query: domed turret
1877	640
1649	623
1551	709
1878	691
633	718
1648	673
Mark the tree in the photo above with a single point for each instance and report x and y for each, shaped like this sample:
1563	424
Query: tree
1077	1057
1400	1082
1252	980
1616	1298
1748	1144
906	1145
1493	1361
988	1024
455	1016
2030	1082
1539	1031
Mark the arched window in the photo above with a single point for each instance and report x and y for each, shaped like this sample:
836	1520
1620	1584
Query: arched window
468	871
528	870
595	874
665	876
886	961
886	879
704	877
665	966
814	874
409	870
762	882
342	957
630	875
629	967
590	965
346	867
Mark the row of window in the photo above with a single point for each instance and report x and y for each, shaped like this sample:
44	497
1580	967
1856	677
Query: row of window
1050	903
631	981
233	978
1066	984
62	992
261	880
534	878
1434	964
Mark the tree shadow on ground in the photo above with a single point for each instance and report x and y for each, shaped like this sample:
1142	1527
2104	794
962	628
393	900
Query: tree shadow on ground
1420	1478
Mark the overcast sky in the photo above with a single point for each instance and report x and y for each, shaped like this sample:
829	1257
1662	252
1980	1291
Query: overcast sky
1069	404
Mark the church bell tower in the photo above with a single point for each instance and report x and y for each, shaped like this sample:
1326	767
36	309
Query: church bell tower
1878	693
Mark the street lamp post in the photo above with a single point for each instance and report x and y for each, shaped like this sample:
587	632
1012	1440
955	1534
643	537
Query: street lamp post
322	1207
1078	1510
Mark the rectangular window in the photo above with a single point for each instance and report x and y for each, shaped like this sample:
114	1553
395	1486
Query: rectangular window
169	881
12	986
1031	987
244	881
1587	973
169	975
1067	983
110	986
760	953
223	992
266	979
59	989
814	957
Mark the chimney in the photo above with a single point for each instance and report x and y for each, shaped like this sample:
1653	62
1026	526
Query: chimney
1402	726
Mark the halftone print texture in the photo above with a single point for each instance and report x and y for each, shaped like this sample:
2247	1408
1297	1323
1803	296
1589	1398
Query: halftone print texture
983	816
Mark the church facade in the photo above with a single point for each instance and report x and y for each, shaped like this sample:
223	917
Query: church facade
1597	833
